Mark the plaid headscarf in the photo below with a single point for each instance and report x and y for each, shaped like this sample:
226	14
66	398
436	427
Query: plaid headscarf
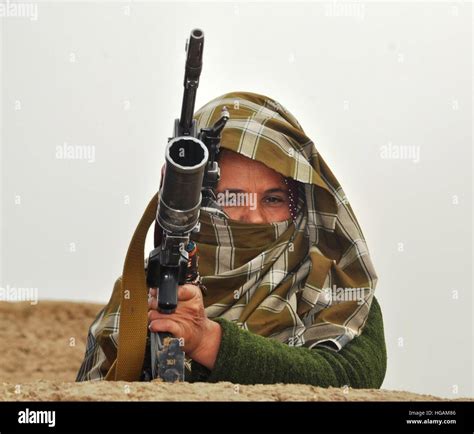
305	281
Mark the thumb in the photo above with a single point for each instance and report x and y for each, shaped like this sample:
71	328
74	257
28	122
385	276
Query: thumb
187	292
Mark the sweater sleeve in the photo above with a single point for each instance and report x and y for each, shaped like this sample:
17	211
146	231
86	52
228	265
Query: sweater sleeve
247	358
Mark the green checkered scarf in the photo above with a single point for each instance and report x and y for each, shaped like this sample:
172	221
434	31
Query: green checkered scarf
303	282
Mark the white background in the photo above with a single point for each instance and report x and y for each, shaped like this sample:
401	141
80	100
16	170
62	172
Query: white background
357	76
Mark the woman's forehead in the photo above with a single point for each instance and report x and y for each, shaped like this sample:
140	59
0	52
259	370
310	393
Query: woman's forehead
238	170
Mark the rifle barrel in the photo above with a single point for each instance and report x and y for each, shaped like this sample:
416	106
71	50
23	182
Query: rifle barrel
194	48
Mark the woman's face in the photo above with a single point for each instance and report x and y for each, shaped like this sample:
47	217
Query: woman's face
251	192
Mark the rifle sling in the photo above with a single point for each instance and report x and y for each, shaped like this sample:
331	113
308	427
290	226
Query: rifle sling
133	323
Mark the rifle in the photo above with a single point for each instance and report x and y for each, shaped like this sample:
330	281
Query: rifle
191	174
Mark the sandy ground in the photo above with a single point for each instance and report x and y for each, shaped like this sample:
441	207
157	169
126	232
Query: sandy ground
42	347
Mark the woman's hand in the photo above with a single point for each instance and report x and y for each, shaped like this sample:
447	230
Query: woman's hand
201	336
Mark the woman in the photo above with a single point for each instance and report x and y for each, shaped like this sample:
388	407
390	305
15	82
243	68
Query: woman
289	277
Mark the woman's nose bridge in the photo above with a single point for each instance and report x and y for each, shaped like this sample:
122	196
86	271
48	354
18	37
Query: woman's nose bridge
255	214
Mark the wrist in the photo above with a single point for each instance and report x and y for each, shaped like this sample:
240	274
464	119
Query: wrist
206	352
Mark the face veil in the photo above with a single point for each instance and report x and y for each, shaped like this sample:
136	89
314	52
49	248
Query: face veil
306	281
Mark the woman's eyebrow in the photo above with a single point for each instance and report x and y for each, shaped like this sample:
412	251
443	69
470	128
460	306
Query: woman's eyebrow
269	191
276	190
233	190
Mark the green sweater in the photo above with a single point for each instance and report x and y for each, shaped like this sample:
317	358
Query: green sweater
247	358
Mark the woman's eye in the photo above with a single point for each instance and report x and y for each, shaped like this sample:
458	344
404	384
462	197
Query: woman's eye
273	200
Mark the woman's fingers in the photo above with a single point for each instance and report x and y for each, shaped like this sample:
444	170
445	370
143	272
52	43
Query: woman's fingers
185	293
189	321
152	303
165	325
153	315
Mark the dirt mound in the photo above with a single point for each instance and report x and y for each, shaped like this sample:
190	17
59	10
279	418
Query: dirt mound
158	391
43	346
